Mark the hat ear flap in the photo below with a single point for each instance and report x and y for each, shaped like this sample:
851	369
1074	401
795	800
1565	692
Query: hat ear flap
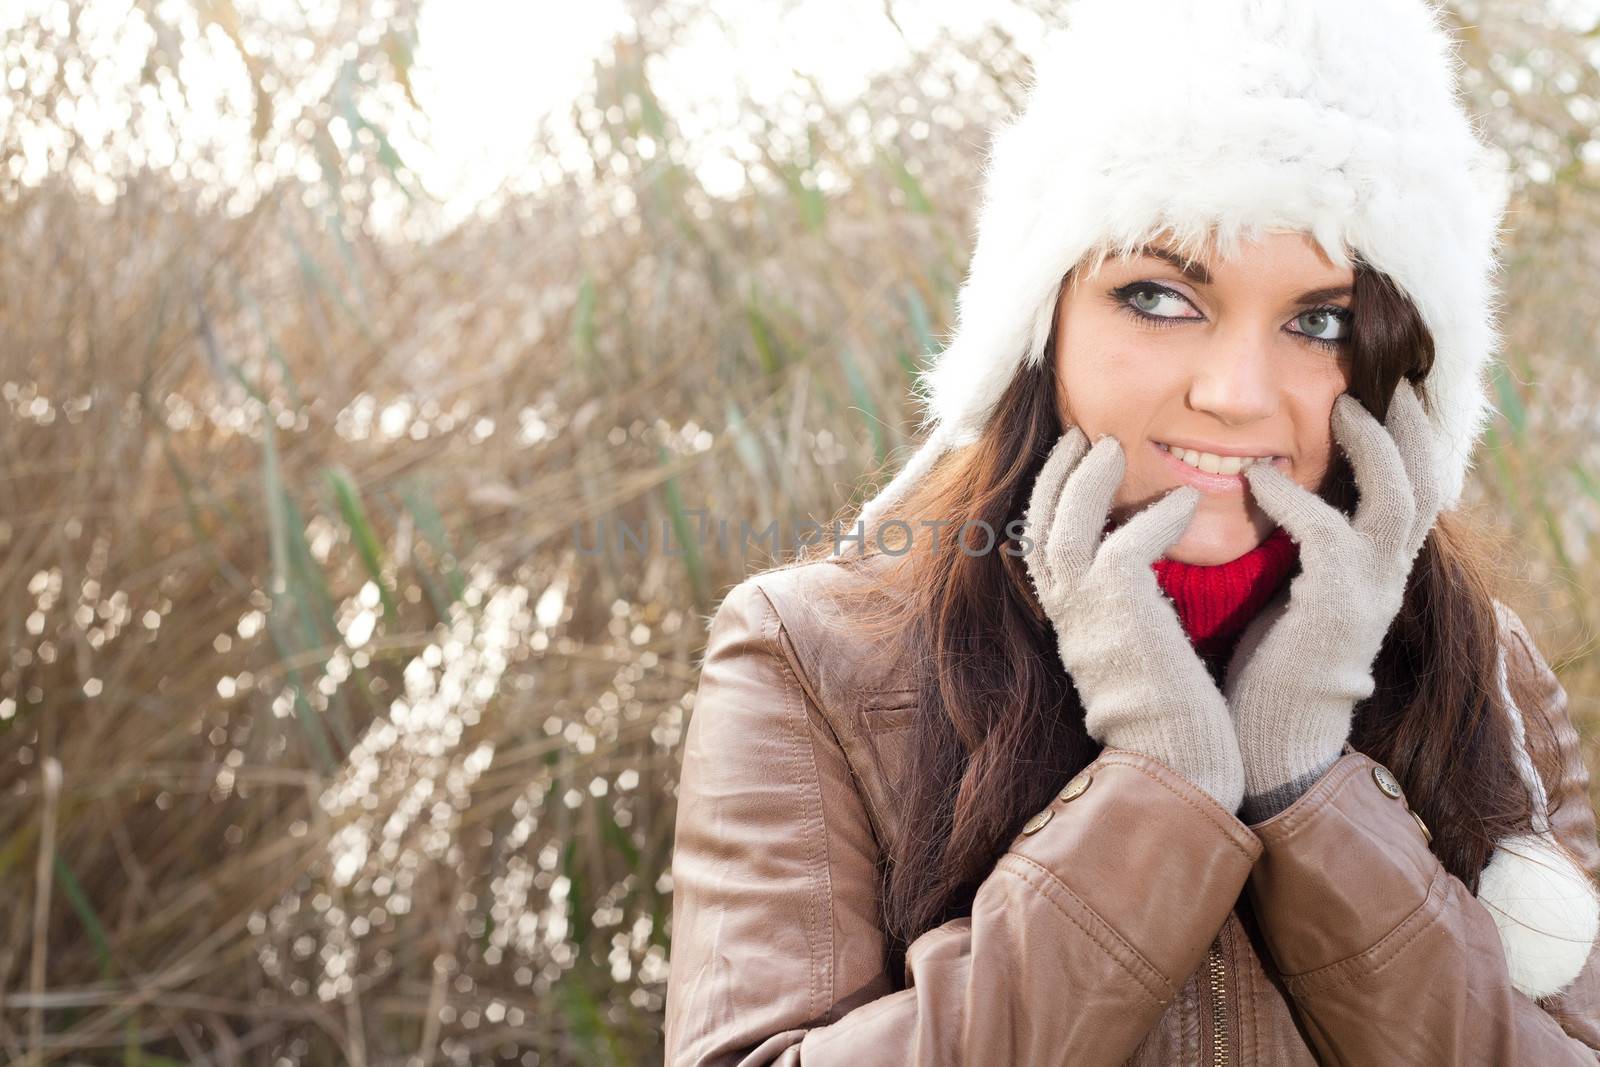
1545	909
1544	905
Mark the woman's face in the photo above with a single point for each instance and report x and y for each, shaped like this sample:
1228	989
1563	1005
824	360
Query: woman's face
1237	357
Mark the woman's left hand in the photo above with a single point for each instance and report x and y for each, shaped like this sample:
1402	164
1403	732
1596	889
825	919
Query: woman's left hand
1303	664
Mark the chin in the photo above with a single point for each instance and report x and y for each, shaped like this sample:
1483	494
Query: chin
1208	542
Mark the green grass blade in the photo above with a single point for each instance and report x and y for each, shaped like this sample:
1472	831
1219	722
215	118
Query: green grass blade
861	396
746	445
1510	400
73	890
348	499
686	533
430	525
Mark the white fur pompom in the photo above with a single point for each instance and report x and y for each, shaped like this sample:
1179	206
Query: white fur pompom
1546	910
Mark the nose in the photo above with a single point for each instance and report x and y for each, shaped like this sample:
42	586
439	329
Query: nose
1234	379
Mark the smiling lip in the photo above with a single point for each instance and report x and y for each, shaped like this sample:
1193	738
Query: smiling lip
1199	446
1210	483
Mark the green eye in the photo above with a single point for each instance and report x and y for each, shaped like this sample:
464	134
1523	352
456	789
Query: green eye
1155	301
1322	324
1147	300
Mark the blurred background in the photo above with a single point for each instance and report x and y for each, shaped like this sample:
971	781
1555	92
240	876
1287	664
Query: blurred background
336	337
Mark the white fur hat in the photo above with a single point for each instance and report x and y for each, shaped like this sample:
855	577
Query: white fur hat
1221	120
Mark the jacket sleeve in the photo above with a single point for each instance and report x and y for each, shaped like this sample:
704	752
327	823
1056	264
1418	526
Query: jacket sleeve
1387	956
1078	939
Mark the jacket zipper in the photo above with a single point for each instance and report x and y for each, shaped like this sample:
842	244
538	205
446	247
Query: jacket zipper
1217	970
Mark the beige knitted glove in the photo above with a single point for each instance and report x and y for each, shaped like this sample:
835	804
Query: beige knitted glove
1301	666
1142	685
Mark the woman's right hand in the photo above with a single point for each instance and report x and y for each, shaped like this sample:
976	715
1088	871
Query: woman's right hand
1143	686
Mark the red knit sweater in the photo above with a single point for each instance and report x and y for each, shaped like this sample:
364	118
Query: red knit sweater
1215	603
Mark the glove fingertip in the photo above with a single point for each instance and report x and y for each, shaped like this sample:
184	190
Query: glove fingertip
1147	536
1265	480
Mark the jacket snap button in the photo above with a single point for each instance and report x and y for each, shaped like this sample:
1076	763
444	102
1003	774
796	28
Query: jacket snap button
1386	781
1426	834
1074	789
1033	824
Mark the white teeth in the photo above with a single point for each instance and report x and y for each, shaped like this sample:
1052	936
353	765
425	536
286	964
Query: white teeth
1212	463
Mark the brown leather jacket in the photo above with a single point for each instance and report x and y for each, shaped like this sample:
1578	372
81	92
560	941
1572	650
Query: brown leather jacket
1135	923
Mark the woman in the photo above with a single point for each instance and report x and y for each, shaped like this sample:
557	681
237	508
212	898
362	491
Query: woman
1221	750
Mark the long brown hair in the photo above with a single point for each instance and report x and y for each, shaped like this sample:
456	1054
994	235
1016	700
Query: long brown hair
999	726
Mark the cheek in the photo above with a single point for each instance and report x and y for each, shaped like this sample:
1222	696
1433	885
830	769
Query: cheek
1111	388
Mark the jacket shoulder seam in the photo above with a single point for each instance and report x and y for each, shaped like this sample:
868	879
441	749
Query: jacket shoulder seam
785	647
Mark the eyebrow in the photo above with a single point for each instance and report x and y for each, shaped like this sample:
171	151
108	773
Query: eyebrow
1318	296
1198	274
1195	272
